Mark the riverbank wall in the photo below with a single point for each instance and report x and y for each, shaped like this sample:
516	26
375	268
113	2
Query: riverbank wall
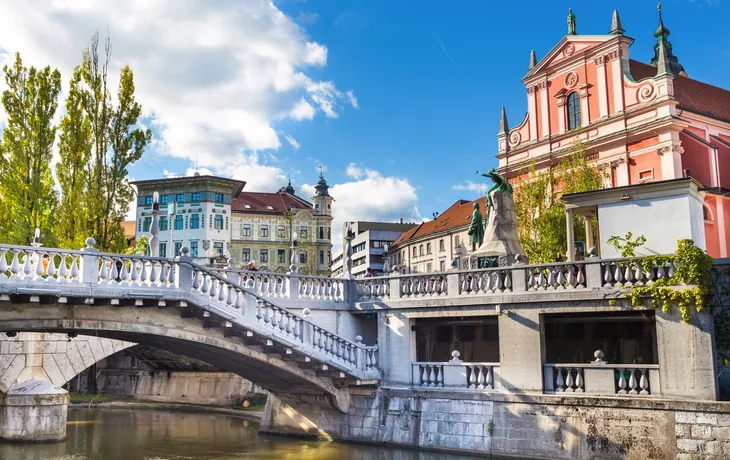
534	426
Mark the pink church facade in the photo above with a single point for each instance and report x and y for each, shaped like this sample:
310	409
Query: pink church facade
642	122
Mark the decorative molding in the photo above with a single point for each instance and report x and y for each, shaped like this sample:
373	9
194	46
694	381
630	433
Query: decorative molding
674	147
646	92
569	49
571	79
515	138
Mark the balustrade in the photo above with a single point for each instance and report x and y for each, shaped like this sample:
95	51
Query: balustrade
433	285
556	276
456	374
136	270
630	272
428	374
373	288
602	379
321	288
50	265
486	281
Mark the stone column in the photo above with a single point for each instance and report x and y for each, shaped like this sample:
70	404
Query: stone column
589	233
570	255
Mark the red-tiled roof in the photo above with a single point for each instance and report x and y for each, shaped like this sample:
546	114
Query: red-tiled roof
259	202
457	215
693	95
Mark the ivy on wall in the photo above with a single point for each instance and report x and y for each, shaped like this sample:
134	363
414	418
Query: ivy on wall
690	283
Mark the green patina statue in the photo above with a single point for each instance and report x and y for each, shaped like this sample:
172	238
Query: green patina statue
571	22
500	185
476	228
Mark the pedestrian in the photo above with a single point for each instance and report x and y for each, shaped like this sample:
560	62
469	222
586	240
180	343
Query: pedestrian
252	266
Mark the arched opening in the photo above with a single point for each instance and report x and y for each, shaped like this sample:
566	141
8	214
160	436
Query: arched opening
573	110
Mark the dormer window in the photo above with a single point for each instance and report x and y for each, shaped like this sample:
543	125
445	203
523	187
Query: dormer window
247	206
573	111
269	207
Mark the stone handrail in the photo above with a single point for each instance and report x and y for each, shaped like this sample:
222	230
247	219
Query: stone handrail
291	286
245	306
627	272
601	378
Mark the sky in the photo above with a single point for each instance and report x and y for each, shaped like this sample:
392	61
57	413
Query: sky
397	100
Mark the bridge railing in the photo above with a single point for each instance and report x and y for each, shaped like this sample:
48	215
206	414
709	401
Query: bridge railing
242	300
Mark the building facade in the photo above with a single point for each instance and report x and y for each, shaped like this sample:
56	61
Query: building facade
195	211
371	239
436	245
264	226
640	122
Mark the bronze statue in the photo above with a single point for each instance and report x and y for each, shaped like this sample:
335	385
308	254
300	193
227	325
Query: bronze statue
476	228
571	22
500	185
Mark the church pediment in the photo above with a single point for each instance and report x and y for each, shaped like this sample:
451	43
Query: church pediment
567	48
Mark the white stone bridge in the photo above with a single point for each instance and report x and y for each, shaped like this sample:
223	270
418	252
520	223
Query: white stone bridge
300	337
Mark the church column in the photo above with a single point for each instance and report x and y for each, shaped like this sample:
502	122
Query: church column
570	255
617	80
602	88
532	108
544	110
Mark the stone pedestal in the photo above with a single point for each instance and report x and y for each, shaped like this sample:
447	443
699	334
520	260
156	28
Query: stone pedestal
34	411
501	237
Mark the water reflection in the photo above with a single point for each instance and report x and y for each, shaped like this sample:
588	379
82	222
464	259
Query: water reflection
160	435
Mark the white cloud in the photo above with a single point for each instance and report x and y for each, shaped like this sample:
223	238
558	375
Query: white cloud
214	77
471	186
353	100
293	142
302	110
354	171
371	196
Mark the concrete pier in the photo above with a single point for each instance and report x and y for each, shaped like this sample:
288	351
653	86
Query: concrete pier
34	411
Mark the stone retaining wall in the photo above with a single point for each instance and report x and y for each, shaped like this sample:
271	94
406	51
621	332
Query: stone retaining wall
536	426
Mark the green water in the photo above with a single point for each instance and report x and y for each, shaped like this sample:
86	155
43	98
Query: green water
111	434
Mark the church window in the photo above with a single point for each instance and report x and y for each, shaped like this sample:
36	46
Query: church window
573	110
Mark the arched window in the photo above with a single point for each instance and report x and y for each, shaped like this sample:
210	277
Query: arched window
573	110
706	213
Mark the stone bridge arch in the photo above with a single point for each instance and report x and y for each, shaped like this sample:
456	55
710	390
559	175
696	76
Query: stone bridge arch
51	357
259	360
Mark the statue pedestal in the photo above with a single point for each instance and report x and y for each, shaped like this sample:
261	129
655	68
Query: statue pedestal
501	237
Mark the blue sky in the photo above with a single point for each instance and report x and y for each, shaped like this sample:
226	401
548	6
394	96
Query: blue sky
399	100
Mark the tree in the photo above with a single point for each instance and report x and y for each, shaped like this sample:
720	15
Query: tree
26	190
74	150
541	213
114	142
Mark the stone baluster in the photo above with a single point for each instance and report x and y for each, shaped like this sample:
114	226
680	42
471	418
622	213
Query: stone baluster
644	382
559	382
579	381
489	381
621	382
569	380
440	377
481	377
632	382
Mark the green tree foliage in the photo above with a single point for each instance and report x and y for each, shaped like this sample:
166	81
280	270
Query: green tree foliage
75	150
26	191
627	245
541	213
103	136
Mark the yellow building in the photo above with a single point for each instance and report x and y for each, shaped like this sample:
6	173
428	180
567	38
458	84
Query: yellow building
263	225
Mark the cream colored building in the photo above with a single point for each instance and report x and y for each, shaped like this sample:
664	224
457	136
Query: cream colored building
263	225
436	245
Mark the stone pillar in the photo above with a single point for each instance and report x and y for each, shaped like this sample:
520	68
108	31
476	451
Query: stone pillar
184	272
90	263
34	411
589	233
686	353
396	339
570	254
520	350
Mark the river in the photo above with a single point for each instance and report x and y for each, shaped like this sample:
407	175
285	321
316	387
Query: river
129	434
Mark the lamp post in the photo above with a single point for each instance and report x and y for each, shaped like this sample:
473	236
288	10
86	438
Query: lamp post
349	236
294	267
155	228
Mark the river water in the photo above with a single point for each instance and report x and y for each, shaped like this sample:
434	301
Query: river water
127	434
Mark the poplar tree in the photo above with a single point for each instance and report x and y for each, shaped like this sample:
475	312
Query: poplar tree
74	149
541	213
101	139
26	190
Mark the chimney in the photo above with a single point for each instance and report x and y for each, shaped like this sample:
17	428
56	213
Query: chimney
686	173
